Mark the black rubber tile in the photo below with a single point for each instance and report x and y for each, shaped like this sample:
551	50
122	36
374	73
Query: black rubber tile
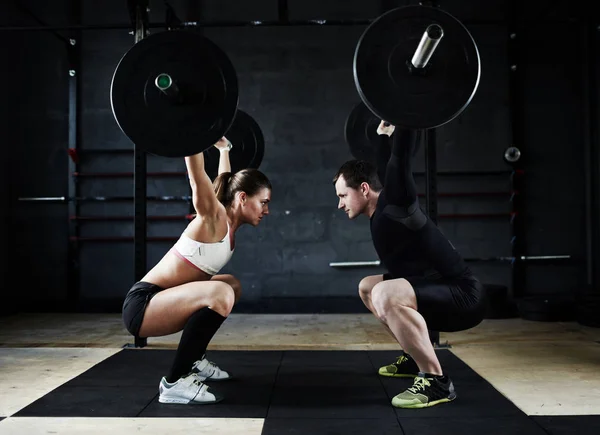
514	425
228	360
128	368
350	426
329	358
247	395
327	376
91	402
569	424
348	401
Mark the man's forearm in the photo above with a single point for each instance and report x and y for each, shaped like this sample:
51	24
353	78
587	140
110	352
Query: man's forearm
383	151
399	182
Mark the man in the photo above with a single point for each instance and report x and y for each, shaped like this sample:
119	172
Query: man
428	285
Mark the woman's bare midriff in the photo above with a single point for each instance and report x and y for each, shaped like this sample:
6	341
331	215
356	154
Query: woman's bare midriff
172	271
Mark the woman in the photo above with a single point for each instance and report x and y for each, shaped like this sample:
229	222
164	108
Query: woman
184	291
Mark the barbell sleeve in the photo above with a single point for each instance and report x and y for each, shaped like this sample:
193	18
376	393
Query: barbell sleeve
429	42
166	85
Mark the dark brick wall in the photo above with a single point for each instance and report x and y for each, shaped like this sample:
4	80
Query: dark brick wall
297	83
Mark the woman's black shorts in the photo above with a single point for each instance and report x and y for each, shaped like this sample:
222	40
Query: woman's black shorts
135	305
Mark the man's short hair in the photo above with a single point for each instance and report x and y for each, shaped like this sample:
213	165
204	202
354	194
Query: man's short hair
356	172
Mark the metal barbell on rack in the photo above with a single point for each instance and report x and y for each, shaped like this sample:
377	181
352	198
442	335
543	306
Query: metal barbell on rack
523	258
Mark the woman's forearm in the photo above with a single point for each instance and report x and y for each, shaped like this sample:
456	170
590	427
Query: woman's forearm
224	163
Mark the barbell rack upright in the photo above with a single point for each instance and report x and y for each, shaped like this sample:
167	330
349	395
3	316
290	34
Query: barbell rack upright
138	10
73	47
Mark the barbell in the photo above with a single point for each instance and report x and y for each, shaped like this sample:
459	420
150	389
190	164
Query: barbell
175	94
416	67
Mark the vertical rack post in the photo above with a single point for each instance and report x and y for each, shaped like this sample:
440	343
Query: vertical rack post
73	45
516	105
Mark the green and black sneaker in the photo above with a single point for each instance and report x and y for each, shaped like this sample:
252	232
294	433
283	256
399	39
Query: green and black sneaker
427	390
404	367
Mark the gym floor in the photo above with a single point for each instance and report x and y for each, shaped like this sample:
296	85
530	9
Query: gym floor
549	371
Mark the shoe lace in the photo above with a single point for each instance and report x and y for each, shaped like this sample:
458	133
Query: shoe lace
419	384
196	380
401	359
212	367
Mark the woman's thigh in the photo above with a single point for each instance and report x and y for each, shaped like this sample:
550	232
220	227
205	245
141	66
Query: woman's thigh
168	311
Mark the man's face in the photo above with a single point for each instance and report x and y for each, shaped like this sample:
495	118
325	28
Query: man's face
352	201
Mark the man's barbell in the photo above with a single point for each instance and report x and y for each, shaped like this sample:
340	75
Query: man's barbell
360	132
416	67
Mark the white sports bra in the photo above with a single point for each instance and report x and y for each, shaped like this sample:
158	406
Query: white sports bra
208	257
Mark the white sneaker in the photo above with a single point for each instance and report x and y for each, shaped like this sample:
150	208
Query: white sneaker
209	371
187	390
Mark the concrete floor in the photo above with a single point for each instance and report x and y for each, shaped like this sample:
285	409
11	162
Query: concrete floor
543	368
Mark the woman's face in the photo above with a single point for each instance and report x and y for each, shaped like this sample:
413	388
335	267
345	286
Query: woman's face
255	207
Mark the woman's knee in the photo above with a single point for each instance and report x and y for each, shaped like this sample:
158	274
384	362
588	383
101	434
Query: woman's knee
236	285
222	298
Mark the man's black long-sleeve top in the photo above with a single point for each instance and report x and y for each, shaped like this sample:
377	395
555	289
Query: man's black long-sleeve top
407	242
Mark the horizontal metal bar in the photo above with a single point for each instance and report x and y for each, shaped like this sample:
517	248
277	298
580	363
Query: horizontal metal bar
61	199
470	194
525	258
356	264
105	151
41	23
129	218
231	23
476	215
126	174
468	173
121	239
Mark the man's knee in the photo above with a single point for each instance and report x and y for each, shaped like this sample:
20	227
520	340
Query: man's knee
381	299
364	290
388	294
365	286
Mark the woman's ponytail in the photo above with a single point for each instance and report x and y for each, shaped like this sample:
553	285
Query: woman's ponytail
222	191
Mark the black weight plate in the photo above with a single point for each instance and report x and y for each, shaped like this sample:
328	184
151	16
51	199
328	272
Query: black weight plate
547	307
391	92
360	131
248	146
206	104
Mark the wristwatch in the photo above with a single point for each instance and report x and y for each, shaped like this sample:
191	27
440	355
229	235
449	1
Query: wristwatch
229	146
